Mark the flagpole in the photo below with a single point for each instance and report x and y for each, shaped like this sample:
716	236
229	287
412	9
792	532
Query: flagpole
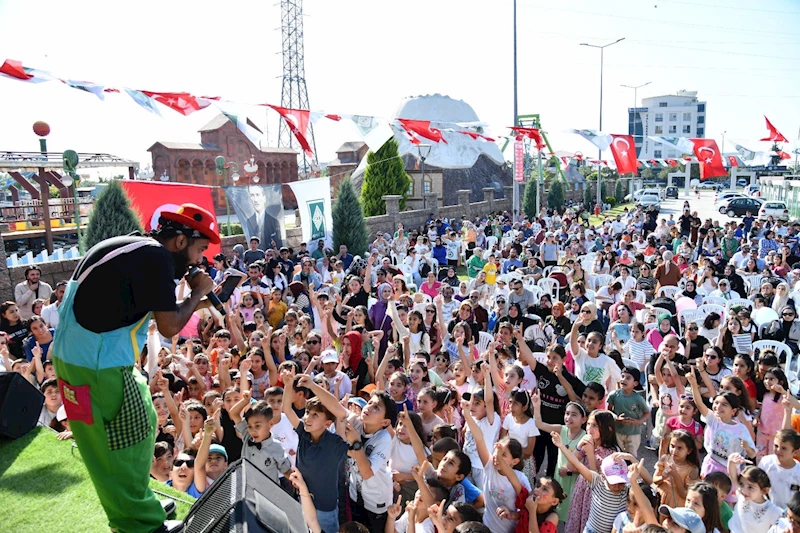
515	202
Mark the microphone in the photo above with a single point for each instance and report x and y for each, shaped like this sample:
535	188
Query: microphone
213	298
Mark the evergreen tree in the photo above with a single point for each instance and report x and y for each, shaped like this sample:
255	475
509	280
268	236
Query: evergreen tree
588	197
349	227
111	216
385	174
619	192
529	198
555	197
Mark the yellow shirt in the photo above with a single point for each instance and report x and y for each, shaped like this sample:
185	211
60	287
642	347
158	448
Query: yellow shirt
276	312
491	273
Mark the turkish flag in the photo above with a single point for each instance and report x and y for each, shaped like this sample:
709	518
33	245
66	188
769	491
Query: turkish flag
733	161
774	134
297	120
422	128
14	69
624	151
149	198
710	160
475	135
671	162
183	103
784	155
531	133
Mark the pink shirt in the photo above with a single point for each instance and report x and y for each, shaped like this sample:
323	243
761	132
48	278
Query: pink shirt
433	292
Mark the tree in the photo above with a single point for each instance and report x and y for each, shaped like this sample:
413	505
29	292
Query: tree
619	192
647	174
112	216
555	197
385	174
529	198
349	227
588	197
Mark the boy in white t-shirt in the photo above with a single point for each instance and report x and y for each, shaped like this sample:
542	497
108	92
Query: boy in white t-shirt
782	468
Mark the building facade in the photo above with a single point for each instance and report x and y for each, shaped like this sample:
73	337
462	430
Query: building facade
678	115
348	157
194	162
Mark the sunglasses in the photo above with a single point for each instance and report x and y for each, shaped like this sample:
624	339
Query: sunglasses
312	342
501	301
441	360
694	329
712	356
787	314
687	397
586	312
430	310
177	463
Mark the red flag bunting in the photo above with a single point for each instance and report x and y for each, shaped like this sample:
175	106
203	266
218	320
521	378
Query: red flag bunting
531	133
774	134
297	120
422	128
149	198
784	155
183	103
733	161
337	118
672	162
709	158
624	151
475	135
14	69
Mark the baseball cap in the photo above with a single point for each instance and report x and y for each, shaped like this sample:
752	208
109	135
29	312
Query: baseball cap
634	373
684	517
329	356
216	448
361	402
614	471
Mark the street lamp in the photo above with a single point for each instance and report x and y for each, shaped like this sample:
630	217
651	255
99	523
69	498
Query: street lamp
252	169
222	168
600	152
71	177
635	101
424	150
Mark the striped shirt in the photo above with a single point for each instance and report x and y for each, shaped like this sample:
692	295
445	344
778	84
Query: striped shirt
606	505
639	352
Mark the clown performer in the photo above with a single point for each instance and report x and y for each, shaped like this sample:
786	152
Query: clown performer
104	316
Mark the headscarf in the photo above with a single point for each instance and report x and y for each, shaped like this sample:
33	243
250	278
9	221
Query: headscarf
691	294
355	349
297	288
560	305
380	318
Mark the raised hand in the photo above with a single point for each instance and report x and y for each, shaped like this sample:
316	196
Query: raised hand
395	509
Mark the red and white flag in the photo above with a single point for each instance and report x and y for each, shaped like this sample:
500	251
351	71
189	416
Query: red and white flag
531	133
733	160
12	68
624	151
183	103
774	134
297	120
783	155
422	128
710	160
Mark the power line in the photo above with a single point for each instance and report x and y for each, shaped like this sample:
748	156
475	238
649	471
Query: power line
759	10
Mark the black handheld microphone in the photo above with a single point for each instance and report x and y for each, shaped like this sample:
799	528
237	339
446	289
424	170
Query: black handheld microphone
213	298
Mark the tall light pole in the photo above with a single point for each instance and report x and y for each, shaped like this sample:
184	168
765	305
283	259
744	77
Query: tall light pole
515	204
222	168
635	102
600	152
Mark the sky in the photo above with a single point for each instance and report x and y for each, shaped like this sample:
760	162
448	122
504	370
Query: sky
365	56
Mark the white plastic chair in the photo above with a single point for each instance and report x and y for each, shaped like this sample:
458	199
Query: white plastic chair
690	315
715	300
753	282
641	297
540	357
648	327
660	310
781	349
591	295
712	308
765	315
484	339
549	286
537	291
371	301
629	362
426	299
741	302
601	280
668	291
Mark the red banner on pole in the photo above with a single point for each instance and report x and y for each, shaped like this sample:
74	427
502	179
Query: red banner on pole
519	161
149	199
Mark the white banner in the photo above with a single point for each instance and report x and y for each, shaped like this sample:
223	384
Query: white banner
314	203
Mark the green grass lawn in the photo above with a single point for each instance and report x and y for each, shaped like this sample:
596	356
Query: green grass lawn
44	486
618	210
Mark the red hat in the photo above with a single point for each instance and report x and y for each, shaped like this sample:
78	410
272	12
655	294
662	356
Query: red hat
196	218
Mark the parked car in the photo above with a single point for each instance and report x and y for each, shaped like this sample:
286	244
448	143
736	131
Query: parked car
738	207
752	190
648	199
742	182
775	209
723	197
672	192
709	185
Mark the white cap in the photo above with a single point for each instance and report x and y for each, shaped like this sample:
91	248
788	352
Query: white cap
329	356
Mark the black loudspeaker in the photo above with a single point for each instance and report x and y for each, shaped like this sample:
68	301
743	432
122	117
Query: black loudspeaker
245	500
20	405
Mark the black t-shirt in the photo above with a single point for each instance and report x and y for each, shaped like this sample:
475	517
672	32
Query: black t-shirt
121	291
16	336
554	395
685	222
695	350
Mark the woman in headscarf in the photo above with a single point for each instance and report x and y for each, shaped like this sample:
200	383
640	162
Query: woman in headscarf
690	291
781	298
380	318
667	273
589	310
786	329
559	320
300	297
238	262
353	363
656	335
517	318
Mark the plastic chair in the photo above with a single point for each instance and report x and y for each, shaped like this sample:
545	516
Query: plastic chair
648	327
629	362
765	315
715	300
668	291
484	339
753	282
712	308
601	280
540	357
641	297
781	349
549	286
690	315
741	302
591	295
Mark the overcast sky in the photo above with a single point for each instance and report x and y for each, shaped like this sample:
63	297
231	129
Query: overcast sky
365	56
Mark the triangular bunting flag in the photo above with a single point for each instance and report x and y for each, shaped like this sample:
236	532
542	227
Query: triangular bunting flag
422	128
183	103
297	121
774	134
601	140
143	100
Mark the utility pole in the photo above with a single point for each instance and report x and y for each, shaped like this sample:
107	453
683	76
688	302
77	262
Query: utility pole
515	203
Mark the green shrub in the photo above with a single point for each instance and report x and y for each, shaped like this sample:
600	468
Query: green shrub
610	200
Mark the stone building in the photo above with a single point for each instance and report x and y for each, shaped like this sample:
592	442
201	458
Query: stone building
194	162
348	157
